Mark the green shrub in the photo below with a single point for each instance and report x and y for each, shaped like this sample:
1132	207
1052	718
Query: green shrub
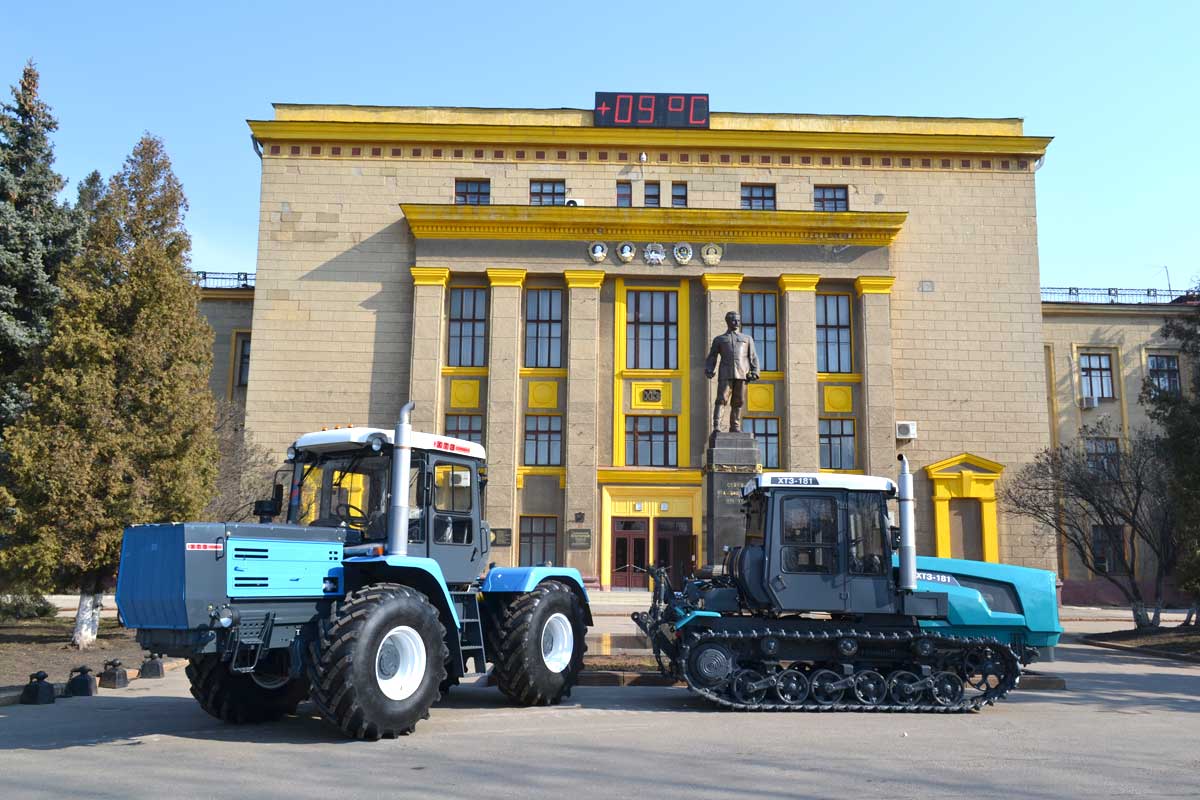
26	606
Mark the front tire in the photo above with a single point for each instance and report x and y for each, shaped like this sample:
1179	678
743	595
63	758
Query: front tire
239	697
538	645
378	661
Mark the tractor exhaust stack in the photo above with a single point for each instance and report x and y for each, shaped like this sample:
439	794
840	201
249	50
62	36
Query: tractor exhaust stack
397	530
908	536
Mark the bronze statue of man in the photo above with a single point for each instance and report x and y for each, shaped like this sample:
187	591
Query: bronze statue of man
739	365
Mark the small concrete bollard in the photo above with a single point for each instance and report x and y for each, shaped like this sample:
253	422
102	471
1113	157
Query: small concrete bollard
37	692
152	667
81	683
114	675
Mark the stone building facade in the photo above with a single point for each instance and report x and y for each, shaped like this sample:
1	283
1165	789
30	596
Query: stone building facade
550	288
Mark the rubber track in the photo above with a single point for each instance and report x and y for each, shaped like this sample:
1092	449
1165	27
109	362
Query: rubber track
331	654
1013	672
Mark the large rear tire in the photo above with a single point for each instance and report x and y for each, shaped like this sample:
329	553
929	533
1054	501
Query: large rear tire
238	697
378	661
538	645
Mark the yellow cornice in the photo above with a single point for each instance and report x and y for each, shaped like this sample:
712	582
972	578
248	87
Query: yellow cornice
556	135
839	377
542	372
465	372
938	469
583	278
584	224
558	472
506	277
873	285
430	276
798	283
651	477
245	295
722	281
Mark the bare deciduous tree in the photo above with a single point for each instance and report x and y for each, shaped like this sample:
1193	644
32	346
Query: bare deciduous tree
1121	500
245	470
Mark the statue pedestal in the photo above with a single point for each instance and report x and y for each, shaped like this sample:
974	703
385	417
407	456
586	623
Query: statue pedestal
731	461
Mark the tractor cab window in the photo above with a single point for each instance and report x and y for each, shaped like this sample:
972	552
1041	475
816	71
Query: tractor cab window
756	516
453	498
809	533
345	490
866	519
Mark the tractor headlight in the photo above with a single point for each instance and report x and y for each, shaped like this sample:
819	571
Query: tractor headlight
291	454
226	617
376	444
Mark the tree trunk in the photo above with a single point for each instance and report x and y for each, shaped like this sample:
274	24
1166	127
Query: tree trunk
87	618
1140	618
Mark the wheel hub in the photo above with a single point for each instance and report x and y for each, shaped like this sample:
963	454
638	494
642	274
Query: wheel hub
400	663
558	643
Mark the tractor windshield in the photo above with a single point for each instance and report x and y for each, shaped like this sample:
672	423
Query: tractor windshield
349	490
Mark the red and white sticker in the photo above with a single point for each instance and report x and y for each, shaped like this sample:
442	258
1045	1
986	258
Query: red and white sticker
218	546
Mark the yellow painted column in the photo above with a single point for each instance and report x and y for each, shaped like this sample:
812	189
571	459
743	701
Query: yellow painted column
991	537
941	523
878	416
428	347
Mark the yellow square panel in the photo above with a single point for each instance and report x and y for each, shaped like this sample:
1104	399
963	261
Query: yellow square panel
760	397
839	399
651	395
543	394
464	394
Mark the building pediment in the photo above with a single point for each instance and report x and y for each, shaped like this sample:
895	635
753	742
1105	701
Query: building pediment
964	462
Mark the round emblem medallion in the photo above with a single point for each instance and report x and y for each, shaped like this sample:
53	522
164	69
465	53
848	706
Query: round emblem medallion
683	253
710	254
654	253
597	251
626	251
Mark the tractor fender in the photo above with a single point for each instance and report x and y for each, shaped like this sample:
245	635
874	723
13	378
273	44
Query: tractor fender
423	574
517	580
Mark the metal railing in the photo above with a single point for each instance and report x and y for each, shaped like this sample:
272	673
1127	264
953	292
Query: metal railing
225	280
1055	294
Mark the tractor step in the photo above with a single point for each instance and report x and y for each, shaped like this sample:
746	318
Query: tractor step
471	633
250	639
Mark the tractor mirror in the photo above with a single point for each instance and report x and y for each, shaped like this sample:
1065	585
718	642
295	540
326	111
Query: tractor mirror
895	532
266	510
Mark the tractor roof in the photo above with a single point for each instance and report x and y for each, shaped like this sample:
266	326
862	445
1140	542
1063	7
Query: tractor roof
819	480
340	438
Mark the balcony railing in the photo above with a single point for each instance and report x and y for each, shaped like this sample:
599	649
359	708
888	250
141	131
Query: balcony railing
1128	296
225	280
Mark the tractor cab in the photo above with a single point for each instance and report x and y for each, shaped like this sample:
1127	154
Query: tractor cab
342	478
818	542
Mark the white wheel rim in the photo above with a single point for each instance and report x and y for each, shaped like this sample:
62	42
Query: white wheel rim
400	663
558	643
269	681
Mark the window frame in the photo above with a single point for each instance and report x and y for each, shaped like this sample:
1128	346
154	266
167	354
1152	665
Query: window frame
763	439
765	202
538	196
1090	376
823	349
634	325
1102	538
524	536
547	438
768	357
550	329
1103	455
625	192
826	440
457	432
482	192
839	202
676	195
241	365
669	440
478	326
646	194
1173	375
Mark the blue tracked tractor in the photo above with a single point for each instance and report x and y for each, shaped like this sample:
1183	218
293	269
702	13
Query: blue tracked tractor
373	598
815	612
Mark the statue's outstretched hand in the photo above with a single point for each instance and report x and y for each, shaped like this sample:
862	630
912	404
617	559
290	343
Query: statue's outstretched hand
753	376
708	374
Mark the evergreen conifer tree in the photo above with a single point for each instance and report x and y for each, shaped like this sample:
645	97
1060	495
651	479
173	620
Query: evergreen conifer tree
119	428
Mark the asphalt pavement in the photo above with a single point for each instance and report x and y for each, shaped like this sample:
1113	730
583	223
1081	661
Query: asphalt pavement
1127	727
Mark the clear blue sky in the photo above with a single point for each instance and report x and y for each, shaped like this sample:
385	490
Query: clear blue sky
1116	84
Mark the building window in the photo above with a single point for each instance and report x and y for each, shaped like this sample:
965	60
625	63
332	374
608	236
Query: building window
465	426
468	325
766	433
547	193
679	195
836	440
543	440
472	192
833	333
1096	376
242	348
539	540
543	328
653	195
624	194
1103	455
760	321
651	441
758	196
830	198
1108	549
1164	374
652	330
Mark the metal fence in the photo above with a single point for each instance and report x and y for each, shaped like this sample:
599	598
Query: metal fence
1076	295
225	280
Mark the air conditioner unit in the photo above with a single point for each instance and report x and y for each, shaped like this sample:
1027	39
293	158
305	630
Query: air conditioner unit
1088	402
906	430
571	201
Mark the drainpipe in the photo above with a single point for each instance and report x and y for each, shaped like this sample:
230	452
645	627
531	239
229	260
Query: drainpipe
908	537
397	536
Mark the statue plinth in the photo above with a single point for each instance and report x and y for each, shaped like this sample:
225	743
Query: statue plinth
731	461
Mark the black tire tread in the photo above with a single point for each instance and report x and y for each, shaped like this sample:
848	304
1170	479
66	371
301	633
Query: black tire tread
235	698
512	656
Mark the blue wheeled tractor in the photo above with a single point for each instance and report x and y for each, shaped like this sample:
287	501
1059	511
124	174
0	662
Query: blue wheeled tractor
373	599
815	612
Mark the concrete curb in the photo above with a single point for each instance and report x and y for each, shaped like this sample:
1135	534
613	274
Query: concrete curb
1147	651
11	695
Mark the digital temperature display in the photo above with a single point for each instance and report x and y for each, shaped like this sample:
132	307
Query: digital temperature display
634	110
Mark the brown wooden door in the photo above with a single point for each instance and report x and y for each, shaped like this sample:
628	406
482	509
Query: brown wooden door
631	557
673	548
966	529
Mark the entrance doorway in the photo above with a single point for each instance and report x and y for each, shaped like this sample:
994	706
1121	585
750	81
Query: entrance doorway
673	547
966	529
631	557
